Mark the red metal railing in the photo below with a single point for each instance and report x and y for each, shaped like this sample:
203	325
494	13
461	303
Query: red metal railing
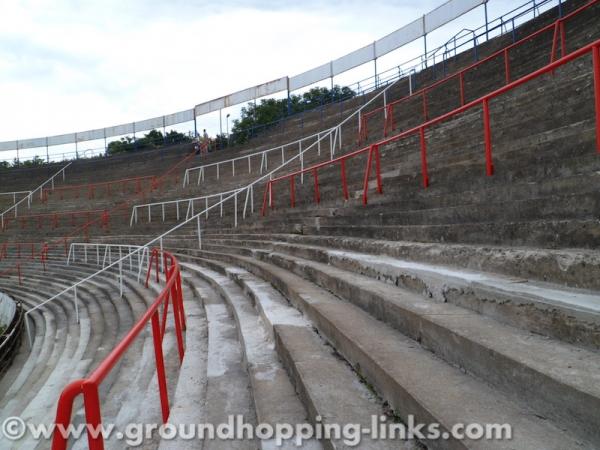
107	186
88	387
558	27
54	219
373	150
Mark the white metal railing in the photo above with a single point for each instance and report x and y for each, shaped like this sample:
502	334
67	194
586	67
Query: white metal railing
187	201
136	257
263	154
140	252
29	197
14	196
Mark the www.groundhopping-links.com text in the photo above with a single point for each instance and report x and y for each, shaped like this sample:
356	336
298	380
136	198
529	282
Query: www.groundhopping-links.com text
236	428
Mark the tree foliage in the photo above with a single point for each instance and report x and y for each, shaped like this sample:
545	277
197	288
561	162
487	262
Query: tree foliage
257	117
153	139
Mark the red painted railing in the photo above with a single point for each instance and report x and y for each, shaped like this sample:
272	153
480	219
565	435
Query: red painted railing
88	387
54	219
558	27
107	186
373	150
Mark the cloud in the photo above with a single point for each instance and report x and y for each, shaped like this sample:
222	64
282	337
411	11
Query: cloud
69	65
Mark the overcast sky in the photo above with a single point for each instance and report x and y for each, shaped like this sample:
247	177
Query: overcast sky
72	65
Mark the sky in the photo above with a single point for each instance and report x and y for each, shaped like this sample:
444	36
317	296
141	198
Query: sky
74	65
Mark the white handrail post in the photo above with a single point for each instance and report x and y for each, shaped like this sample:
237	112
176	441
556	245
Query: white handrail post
29	339
85	259
235	221
177	207
301	162
233	168
199	233
120	278
76	301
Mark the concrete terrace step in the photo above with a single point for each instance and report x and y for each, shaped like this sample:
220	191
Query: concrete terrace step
228	388
304	356
572	315
524	357
84	353
380	353
274	397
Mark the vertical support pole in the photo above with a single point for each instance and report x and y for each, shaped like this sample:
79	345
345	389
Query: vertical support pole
93	417
489	166
199	233
424	171
487	31
425	46
506	66
160	367
596	63
76	303
461	77
563	39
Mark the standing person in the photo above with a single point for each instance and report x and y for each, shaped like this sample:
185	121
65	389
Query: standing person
205	140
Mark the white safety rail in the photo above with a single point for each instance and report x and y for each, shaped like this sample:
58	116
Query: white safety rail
187	203
17	193
122	257
15	208
139	253
262	154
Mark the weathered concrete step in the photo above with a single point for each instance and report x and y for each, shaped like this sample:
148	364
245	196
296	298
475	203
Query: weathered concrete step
411	379
307	359
520	363
275	400
566	314
189	402
228	392
577	268
542	233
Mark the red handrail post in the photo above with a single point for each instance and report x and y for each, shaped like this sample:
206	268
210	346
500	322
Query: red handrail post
378	170
367	173
160	367
554	44
180	299
373	152
93	416
292	191
177	305
271	196
64	411
506	66
563	39
317	193
344	181
461	78
424	171
596	63
489	166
